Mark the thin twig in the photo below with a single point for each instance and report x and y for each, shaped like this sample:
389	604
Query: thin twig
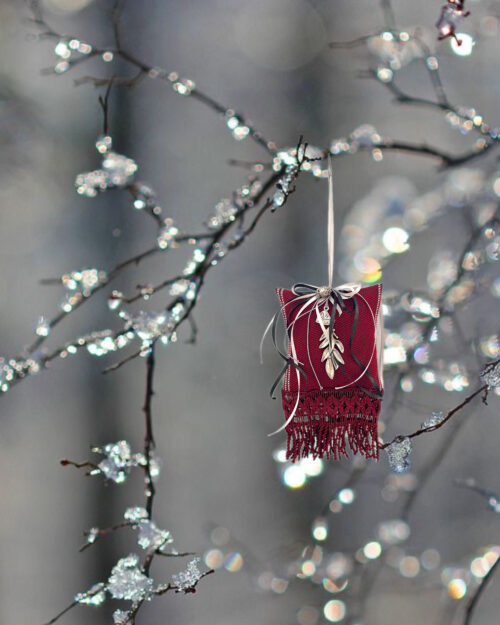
483	390
473	603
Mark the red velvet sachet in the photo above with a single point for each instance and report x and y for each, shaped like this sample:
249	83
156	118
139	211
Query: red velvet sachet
333	385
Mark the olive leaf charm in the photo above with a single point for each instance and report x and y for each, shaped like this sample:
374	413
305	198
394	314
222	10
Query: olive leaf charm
331	345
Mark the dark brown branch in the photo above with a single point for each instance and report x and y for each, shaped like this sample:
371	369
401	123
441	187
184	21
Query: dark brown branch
143	70
80	465
483	390
104	532
104	103
62	613
149	441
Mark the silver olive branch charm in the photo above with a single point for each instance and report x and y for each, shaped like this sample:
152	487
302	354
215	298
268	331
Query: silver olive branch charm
331	345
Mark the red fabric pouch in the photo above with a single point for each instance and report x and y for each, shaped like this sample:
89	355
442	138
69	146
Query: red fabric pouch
333	384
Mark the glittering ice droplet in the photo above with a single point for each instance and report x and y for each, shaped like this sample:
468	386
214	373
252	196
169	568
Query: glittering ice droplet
115	300
393	531
398	454
104	143
43	327
224	212
92	535
365	136
167	235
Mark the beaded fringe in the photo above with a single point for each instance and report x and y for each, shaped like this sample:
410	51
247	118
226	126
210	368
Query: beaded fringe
327	423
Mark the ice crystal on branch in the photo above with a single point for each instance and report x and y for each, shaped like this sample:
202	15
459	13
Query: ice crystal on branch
102	342
13	370
118	461
167	234
363	137
135	514
95	596
155	464
128	582
398	454
121	617
224	212
145	198
435	419
84	281
187	580
394	50
151	538
182	86
490	375
311	160
149	326
70	52
116	171
92	535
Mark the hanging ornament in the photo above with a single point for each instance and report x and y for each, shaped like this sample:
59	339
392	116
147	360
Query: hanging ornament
332	376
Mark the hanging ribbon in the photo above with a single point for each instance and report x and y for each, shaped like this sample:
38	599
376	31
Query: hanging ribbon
309	301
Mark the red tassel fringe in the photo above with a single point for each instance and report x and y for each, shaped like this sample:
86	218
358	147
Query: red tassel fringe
327	422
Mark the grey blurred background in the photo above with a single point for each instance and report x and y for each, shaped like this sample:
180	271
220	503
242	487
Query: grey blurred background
268	58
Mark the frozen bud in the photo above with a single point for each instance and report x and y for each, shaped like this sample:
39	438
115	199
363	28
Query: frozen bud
398	454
